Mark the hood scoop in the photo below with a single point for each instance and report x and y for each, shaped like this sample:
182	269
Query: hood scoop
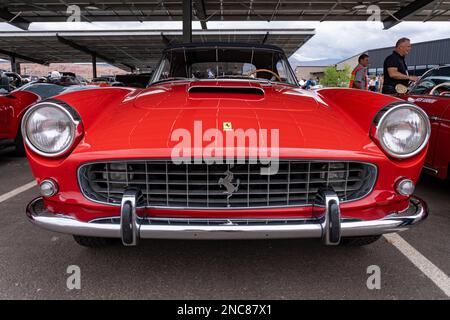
224	91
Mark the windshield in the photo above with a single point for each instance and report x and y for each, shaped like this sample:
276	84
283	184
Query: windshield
431	79
47	90
43	90
224	63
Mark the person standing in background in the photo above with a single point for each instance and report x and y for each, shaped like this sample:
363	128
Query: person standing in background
359	79
380	83
377	83
372	84
310	83
302	83
395	68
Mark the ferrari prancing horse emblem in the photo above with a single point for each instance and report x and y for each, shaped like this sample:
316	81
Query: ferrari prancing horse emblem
227	182
227	126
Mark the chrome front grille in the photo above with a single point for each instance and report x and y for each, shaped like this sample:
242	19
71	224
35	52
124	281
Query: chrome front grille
168	185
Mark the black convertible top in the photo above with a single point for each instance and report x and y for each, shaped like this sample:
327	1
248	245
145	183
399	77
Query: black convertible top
223	45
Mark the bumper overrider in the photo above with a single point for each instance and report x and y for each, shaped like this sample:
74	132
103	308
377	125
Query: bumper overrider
130	227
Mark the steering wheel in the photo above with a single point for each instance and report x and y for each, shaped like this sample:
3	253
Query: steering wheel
265	70
438	86
401	88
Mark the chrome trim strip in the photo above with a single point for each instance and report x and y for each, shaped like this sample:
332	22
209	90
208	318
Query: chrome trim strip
395	222
439	119
212	221
434	171
434	118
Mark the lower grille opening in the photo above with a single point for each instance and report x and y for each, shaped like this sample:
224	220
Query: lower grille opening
223	186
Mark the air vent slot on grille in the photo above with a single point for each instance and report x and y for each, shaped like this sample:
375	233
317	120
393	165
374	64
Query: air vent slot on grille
169	185
226	90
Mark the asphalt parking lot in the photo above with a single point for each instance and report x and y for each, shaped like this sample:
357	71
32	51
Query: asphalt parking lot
33	262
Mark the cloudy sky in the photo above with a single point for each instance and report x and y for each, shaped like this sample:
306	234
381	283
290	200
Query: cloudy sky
333	40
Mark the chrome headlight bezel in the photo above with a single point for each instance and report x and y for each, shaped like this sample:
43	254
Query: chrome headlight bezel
70	113
380	119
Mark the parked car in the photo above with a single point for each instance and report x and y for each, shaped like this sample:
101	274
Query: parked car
14	104
342	170
9	81
432	94
28	78
104	81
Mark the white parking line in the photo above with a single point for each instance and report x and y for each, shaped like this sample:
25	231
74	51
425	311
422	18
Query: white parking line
16	191
421	262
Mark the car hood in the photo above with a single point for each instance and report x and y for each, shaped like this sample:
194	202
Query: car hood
147	120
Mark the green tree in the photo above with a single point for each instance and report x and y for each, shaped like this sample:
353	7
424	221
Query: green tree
344	76
336	78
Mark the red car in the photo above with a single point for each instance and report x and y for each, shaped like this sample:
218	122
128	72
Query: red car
432	94
14	104
223	144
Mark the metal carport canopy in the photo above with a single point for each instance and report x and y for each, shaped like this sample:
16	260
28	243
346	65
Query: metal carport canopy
129	49
21	13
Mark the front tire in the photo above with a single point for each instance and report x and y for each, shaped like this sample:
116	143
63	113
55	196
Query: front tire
359	241
93	242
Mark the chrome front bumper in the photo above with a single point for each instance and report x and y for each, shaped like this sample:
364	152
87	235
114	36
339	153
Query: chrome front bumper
146	229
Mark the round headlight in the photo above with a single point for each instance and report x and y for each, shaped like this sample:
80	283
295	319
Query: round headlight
403	130
49	129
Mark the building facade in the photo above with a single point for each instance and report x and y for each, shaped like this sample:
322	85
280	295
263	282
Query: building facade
309	72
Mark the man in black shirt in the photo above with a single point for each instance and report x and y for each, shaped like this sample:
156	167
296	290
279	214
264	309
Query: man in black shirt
395	68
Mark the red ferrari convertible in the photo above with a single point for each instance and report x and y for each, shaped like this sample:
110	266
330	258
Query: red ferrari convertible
432	94
223	144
